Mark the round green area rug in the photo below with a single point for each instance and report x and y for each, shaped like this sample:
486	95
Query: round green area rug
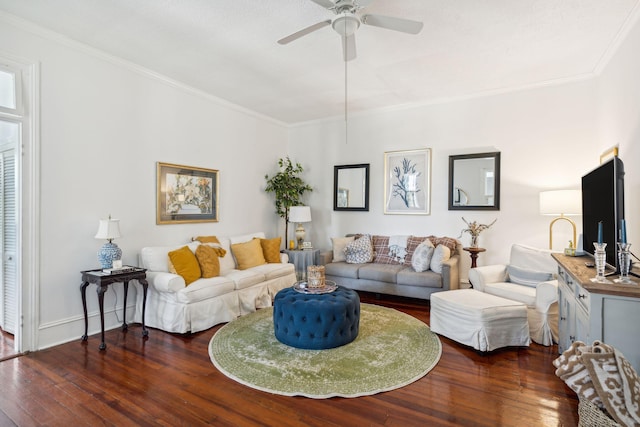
392	350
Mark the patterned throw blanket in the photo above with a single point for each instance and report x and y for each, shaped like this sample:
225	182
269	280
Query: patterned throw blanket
600	373
398	247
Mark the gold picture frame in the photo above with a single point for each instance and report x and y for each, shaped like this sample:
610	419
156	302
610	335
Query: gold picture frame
186	194
609	154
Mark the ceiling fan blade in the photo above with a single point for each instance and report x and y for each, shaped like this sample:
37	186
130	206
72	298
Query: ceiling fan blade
391	23
349	47
304	32
327	4
363	3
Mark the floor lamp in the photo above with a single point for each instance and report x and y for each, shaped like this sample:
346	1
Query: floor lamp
561	203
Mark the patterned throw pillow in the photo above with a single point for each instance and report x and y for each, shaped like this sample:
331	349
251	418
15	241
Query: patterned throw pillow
446	241
412	244
271	249
359	251
209	261
381	250
421	259
440	255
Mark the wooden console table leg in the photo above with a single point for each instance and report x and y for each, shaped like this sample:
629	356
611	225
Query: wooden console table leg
83	292
124	308
145	286
101	290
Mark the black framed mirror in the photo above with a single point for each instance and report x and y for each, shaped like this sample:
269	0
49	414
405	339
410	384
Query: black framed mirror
351	187
474	182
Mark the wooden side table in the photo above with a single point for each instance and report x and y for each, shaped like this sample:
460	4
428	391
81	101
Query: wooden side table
103	280
474	252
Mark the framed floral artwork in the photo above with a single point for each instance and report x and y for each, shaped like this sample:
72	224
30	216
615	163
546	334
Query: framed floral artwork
407	182
186	194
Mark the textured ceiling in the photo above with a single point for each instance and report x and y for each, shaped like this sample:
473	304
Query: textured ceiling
228	47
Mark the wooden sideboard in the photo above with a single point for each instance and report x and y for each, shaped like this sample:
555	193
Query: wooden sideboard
591	311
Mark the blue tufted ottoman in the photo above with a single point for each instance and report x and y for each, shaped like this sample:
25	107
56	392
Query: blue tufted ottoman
316	321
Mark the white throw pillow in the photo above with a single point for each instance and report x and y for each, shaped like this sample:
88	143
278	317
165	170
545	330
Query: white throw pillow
359	251
440	255
421	259
339	244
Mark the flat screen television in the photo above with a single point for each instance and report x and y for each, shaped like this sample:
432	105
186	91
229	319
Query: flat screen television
603	200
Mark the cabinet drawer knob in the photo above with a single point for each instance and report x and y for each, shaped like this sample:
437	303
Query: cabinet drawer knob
563	318
581	296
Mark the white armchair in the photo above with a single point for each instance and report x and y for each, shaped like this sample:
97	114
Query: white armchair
530	278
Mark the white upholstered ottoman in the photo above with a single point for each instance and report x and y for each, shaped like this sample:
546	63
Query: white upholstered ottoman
482	321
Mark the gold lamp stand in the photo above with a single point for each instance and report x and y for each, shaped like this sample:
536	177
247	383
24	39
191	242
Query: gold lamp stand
573	224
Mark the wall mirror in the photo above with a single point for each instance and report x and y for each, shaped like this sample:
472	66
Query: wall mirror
351	187
474	182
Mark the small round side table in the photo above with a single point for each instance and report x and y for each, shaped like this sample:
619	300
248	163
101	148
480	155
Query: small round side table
474	252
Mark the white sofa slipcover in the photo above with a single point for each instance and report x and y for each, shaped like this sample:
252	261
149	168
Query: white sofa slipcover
174	307
541	298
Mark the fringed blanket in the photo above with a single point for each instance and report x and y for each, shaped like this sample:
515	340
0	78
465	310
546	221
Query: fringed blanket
600	373
398	248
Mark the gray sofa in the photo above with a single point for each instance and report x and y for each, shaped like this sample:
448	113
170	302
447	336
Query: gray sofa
401	279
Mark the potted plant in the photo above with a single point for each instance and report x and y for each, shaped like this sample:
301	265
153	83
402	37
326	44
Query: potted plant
288	189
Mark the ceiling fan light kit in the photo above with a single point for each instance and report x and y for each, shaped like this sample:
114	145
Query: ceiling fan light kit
346	23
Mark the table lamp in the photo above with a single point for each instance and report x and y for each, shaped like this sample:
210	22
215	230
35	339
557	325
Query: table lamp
108	229
561	202
300	214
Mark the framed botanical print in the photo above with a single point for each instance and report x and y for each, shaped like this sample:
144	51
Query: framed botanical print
186	194
407	182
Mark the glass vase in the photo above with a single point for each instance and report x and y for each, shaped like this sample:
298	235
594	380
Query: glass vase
474	241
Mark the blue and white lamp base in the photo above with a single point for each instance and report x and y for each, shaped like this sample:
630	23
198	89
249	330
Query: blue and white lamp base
108	253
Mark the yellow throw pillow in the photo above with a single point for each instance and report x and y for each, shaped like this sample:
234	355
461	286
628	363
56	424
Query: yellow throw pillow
208	260
248	254
207	239
172	269
186	264
271	249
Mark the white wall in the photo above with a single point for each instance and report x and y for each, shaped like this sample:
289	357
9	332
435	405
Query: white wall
103	128
547	139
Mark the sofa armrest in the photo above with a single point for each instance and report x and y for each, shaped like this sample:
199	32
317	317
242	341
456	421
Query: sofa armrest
546	295
165	282
326	257
480	276
451	273
284	257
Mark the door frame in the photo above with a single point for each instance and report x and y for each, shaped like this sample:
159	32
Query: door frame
28	201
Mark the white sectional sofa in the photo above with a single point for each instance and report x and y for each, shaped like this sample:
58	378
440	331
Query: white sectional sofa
174	307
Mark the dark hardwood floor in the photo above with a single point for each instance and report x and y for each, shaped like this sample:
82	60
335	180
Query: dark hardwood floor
169	380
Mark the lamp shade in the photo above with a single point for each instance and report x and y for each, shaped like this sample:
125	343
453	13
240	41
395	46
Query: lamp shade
108	229
561	202
299	214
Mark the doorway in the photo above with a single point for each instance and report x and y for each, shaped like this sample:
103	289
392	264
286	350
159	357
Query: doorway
19	205
10	141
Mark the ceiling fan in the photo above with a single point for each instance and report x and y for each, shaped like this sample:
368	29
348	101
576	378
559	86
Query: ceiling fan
346	22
